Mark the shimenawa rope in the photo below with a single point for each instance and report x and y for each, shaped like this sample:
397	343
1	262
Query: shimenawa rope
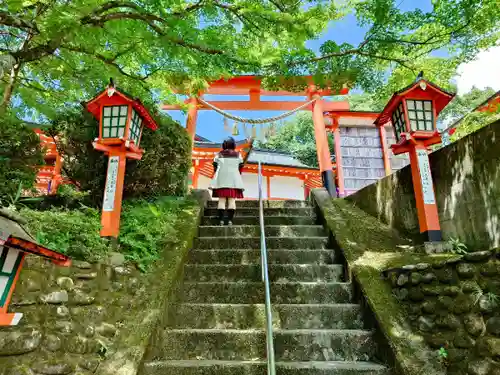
255	121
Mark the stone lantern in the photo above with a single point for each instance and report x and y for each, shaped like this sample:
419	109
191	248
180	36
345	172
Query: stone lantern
413	112
121	123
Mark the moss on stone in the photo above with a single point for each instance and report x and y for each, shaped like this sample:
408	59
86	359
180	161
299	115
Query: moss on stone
371	247
135	335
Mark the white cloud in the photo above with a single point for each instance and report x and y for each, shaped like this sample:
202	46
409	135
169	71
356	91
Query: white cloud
482	72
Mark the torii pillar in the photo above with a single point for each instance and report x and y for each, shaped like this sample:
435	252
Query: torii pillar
322	149
192	116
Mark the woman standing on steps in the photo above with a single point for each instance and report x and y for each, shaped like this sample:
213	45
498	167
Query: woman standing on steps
227	184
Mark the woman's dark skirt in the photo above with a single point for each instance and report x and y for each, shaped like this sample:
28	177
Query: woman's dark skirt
227	193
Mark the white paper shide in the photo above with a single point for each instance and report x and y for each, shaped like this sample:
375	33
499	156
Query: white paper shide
425	177
108	203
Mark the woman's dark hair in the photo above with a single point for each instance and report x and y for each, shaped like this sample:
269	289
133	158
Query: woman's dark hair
229	144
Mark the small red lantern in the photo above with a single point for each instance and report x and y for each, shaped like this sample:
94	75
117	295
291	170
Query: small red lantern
121	123
121	120
413	112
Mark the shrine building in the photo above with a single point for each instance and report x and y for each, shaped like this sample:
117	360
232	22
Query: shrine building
284	177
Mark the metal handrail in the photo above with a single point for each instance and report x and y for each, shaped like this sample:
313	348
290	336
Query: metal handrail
271	368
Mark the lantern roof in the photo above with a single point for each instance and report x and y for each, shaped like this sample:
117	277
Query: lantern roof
421	89
13	234
114	96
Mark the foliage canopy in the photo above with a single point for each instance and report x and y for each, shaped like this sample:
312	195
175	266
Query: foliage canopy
462	114
60	52
147	228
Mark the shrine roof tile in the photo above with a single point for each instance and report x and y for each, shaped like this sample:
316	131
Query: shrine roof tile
271	157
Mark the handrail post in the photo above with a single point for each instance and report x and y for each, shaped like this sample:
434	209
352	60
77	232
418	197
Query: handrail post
271	369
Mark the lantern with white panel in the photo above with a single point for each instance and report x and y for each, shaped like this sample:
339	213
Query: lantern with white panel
121	123
15	243
413	112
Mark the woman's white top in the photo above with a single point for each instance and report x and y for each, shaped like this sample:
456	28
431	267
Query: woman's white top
227	174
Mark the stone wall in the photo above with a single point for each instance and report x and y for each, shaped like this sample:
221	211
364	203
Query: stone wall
367	247
466	178
71	315
91	318
454	305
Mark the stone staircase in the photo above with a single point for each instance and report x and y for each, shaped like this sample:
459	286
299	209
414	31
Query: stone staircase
218	325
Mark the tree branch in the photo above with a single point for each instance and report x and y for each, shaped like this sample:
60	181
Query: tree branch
234	10
391	59
110	61
101	20
277	5
150	19
188	9
429	40
108	6
11	20
355	51
35	53
98	19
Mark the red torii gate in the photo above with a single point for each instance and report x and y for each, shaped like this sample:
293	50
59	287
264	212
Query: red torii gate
252	86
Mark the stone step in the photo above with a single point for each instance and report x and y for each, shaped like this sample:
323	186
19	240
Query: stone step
266	204
254	243
251	292
269	220
246	316
214	367
289	345
253	256
245	211
252	272
254	231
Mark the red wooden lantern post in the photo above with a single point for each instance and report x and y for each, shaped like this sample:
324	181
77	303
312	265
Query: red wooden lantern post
413	112
121	122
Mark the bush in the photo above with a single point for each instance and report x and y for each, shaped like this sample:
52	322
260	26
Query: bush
162	171
147	227
71	232
20	153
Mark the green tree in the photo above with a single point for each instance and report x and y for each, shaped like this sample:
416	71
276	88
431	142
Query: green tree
401	42
162	170
296	136
474	121
462	105
20	153
364	102
57	52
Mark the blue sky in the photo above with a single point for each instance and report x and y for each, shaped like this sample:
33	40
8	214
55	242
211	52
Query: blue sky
210	124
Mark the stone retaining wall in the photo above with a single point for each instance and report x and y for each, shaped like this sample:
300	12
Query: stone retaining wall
368	247
466	177
92	318
71	316
454	305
